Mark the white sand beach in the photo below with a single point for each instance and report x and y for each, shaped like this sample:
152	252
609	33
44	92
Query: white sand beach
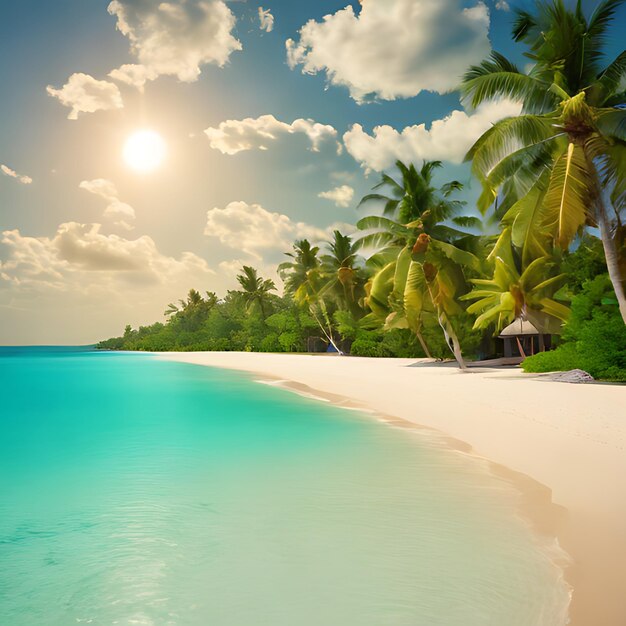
570	438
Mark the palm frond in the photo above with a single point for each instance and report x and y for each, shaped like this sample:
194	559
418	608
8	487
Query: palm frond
497	77
468	221
555	309
381	286
461	257
508	136
609	158
373	196
414	295
374	241
609	81
601	18
376	222
527	217
567	197
612	123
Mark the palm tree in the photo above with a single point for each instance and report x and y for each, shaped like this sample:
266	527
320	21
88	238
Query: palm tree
256	290
389	266
561	164
304	280
399	292
343	276
518	289
192	312
301	275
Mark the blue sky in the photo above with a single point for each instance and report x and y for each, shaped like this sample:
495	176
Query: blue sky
90	244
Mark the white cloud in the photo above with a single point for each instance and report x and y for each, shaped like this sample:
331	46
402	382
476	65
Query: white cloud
341	196
502	5
266	20
394	48
132	74
252	229
448	139
64	261
20	178
83	285
115	207
174	38
84	94
233	136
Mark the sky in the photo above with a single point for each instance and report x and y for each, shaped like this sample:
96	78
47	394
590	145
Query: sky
250	126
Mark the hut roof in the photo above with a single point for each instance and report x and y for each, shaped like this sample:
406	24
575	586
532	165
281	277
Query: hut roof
518	328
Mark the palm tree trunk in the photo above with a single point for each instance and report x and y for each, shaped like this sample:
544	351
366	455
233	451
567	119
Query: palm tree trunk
608	243
453	342
424	345
448	332
327	333
612	262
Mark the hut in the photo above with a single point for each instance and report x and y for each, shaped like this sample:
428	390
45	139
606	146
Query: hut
521	339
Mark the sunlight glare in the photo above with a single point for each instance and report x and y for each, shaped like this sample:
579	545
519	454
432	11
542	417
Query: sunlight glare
144	150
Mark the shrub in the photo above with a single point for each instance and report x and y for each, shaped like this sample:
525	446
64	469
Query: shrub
270	343
564	358
602	346
366	347
402	343
594	337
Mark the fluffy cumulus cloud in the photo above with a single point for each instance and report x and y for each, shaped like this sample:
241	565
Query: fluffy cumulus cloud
233	136
88	284
447	139
394	48
502	5
20	178
266	20
84	94
61	262
252	229
342	196
174	38
115	208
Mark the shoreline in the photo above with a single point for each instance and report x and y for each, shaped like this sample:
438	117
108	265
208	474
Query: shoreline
561	445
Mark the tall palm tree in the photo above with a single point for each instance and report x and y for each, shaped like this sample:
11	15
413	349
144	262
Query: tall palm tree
417	210
343	275
304	280
192	312
561	164
301	275
256	290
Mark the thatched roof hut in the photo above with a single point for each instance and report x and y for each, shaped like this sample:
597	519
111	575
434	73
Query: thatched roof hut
519	328
522	338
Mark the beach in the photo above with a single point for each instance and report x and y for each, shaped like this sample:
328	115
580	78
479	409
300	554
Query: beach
567	440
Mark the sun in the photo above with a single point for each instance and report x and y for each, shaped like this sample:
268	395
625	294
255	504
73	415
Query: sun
144	150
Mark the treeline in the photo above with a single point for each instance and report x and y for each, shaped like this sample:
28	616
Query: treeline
427	276
254	318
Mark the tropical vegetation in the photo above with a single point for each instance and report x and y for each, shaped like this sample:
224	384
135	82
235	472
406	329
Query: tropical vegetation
424	274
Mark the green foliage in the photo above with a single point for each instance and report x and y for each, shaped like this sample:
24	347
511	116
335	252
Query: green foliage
364	346
602	346
561	165
562	359
584	264
402	343
594	337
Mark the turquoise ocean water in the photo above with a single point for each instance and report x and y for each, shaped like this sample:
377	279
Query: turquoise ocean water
135	491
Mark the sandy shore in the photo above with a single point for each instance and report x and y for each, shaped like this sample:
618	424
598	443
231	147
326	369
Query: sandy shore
570	438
